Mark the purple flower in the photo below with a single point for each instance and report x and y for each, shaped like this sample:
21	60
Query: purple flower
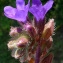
39	10
19	13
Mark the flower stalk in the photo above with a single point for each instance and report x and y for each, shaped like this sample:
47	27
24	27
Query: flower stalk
31	41
37	59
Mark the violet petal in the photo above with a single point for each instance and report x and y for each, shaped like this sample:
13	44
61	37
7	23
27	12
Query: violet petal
13	13
16	13
48	5
22	14
20	4
9	12
38	12
36	2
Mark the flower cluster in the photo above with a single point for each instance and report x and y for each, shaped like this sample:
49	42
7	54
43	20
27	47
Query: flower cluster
31	41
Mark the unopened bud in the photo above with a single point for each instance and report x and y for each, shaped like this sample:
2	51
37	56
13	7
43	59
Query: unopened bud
49	42
12	44
22	41
47	59
30	29
14	31
48	29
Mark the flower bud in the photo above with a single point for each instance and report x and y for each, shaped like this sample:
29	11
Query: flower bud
23	41
49	42
48	29
19	45
47	59
14	31
12	44
18	42
30	29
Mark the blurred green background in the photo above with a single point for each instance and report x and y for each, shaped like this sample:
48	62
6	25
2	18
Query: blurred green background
56	12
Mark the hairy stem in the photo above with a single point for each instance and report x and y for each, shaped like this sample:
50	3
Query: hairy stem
37	59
